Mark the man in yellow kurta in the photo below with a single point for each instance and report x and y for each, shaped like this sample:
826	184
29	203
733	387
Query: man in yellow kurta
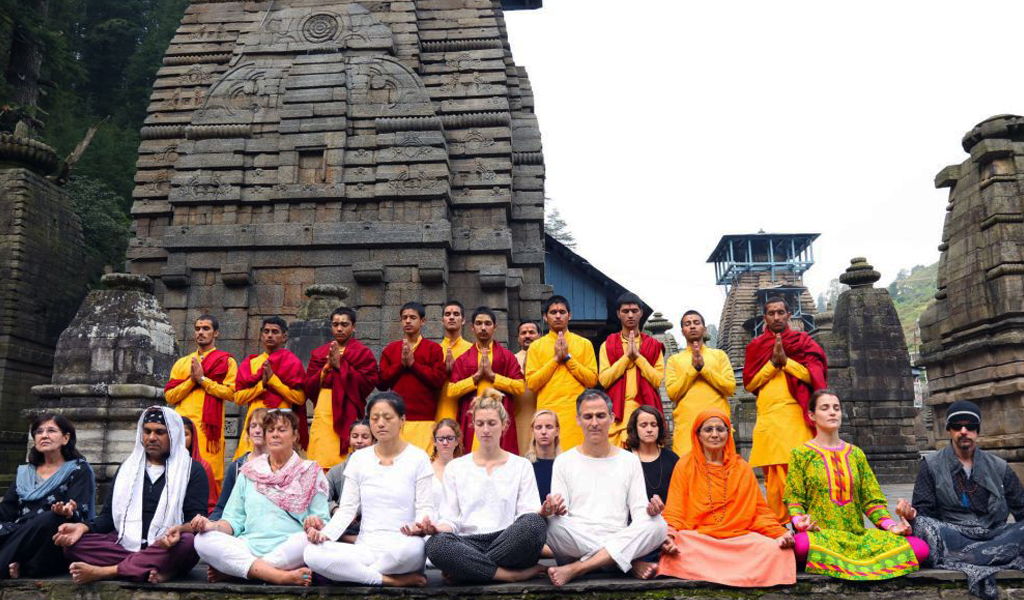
200	384
272	379
696	379
632	365
526	403
559	366
453	317
783	367
486	365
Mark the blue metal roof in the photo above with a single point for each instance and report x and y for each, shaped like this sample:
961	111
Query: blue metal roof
769	252
591	293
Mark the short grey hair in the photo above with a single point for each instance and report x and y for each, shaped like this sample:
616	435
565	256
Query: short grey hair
590	394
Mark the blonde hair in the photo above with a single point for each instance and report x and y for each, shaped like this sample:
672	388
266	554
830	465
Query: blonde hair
491	399
531	454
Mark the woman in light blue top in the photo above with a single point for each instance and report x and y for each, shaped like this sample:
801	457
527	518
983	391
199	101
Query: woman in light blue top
260	535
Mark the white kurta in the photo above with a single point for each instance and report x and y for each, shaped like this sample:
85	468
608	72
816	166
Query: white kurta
476	502
607	504
388	497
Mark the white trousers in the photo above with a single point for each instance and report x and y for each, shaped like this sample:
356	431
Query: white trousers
571	540
368	560
231	555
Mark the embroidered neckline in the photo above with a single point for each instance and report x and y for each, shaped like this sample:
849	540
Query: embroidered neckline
837	470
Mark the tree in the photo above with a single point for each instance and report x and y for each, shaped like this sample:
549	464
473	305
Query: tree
105	226
556	227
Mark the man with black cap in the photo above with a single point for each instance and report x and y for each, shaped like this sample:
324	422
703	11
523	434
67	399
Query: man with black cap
962	498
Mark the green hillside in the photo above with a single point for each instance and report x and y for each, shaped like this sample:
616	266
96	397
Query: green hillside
913	291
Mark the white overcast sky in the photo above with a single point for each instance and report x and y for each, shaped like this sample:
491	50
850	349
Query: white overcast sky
667	124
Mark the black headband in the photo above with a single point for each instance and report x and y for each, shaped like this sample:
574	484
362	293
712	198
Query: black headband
154	415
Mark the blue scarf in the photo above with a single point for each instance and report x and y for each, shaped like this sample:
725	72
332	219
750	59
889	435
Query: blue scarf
30	489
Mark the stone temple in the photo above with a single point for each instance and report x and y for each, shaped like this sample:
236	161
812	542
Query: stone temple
389	147
972	338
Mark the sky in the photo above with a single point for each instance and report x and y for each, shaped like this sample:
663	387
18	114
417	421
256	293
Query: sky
667	124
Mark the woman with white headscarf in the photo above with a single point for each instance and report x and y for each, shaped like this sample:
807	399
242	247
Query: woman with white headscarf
143	532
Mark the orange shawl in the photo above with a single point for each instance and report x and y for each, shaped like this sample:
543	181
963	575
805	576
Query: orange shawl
735	505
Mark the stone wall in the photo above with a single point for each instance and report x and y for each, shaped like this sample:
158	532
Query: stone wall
869	367
41	281
972	338
387	146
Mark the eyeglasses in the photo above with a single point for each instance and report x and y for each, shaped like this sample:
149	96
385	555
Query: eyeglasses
958	426
445	439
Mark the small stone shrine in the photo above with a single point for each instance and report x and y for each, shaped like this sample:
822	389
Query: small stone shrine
972	338
869	367
386	146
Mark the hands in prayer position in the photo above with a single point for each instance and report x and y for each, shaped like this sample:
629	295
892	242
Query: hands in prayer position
484	371
407	354
64	509
655	506
778	353
449	360
632	349
268	372
553	506
698	358
334	355
197	371
561	348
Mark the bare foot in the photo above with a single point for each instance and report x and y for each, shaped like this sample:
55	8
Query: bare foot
560	576
14	570
643	569
215	576
85	573
158	577
405	580
509	575
302	577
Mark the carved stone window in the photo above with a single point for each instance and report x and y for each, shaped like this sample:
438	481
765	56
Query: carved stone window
312	166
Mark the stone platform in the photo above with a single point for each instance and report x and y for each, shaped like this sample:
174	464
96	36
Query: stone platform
925	584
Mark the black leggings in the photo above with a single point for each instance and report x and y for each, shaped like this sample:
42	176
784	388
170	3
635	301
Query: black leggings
475	558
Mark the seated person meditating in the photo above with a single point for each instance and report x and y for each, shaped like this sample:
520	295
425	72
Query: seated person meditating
193	450
389	484
829	489
720	527
260	535
962	498
57	486
255	431
359	437
491	528
544	447
446	448
646	436
143	532
601	517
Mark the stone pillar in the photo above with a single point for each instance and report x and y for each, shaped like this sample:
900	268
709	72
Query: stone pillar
869	367
972	337
42	280
113	360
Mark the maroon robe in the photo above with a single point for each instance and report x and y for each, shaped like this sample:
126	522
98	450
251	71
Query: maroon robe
504	363
800	347
350	384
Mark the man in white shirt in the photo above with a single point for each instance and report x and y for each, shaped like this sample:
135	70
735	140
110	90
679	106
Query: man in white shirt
600	513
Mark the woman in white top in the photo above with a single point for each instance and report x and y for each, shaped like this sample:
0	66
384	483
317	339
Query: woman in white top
491	528
389	483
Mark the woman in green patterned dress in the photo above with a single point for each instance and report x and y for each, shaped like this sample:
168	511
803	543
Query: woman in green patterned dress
829	489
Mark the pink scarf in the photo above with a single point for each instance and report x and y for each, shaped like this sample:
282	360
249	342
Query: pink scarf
291	487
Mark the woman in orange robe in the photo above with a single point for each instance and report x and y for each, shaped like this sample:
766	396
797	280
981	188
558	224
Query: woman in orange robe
720	527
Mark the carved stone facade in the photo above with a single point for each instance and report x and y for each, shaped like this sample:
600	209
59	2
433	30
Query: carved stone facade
386	146
869	367
973	336
42	279
115	357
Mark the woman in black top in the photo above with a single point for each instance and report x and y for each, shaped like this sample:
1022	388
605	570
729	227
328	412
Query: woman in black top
646	437
544	447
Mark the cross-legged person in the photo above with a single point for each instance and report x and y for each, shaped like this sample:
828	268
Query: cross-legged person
200	384
696	379
359	438
601	516
260	536
646	436
413	367
389	485
962	499
339	377
54	487
271	379
559	366
491	526
782	368
486	365
632	365
143	533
